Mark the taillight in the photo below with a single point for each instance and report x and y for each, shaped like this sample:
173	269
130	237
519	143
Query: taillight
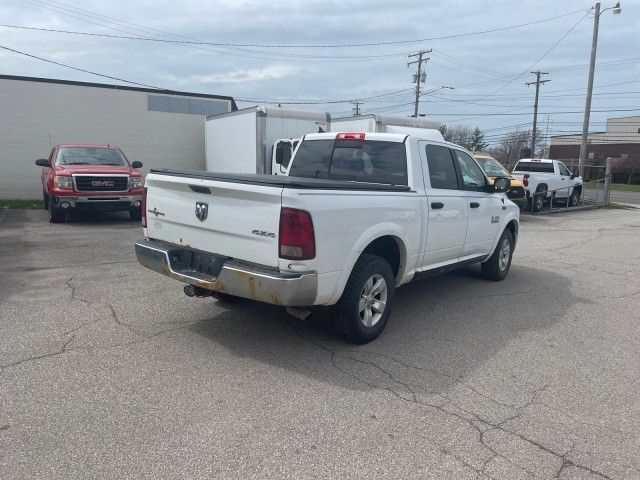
143	208
350	136
297	240
525	180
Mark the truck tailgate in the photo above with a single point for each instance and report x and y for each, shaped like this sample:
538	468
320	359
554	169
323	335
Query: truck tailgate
241	222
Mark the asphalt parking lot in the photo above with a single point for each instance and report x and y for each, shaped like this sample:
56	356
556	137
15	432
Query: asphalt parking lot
110	371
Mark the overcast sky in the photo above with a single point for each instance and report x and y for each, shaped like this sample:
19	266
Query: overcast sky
488	70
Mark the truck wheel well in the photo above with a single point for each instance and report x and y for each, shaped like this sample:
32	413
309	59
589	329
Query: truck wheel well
541	187
388	248
578	188
513	226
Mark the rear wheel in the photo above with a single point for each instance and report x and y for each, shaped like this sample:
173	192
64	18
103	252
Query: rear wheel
539	199
367	300
55	214
497	267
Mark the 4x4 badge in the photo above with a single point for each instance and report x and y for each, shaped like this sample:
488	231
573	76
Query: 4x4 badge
202	210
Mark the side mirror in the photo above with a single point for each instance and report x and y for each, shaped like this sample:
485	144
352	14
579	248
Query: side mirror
501	185
283	154
279	155
136	164
43	162
573	175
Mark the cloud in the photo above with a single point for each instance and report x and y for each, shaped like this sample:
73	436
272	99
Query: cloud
270	72
475	65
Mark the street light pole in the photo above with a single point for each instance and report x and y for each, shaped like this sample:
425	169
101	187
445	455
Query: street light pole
592	66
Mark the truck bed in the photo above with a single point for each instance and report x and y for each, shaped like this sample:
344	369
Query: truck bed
282	181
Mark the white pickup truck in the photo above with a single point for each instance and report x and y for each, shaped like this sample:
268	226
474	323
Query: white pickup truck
542	178
357	216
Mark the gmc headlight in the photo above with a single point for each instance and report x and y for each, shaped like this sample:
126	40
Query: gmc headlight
135	182
63	181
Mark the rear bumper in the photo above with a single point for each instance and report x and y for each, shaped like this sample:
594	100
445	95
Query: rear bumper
226	275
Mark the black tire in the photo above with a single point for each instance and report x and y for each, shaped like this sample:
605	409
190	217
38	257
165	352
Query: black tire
574	199
539	199
497	267
55	214
45	200
226	298
135	214
350	315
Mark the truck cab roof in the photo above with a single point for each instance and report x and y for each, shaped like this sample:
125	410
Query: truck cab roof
399	136
541	160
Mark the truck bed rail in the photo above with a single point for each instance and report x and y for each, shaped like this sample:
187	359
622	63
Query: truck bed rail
282	181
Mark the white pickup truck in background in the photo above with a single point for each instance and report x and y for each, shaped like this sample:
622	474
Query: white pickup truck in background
544	178
357	216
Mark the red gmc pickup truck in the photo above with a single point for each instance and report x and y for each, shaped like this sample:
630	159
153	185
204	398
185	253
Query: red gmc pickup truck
90	177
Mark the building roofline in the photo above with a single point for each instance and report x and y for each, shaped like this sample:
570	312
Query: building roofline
577	134
120	87
625	116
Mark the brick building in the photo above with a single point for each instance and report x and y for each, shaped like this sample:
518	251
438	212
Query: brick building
620	141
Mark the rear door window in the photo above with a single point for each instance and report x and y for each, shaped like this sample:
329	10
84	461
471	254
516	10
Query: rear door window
442	172
361	161
538	167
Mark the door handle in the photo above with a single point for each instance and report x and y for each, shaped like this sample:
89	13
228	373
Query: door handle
437	205
474	204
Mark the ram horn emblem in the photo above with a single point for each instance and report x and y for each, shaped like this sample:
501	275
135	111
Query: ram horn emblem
202	210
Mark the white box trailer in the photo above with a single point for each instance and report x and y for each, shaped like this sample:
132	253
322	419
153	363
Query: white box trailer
382	124
243	141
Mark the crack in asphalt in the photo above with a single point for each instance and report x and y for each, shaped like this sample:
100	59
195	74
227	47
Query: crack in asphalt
491	426
112	310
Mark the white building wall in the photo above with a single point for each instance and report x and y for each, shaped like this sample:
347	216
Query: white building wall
619	130
35	115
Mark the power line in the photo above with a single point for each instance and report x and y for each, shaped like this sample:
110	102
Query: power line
311	58
82	69
540	58
343	45
111	77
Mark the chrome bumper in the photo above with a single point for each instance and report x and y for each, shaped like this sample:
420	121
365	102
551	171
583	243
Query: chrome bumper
98	200
233	277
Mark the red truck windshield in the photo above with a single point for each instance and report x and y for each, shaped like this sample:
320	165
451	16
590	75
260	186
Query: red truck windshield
90	156
361	161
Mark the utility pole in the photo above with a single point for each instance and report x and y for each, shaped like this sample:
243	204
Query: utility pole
419	77
537	83
547	142
356	109
592	67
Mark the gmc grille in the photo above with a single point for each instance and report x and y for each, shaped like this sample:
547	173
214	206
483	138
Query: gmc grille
100	183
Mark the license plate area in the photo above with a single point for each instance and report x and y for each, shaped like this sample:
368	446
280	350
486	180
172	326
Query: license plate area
188	260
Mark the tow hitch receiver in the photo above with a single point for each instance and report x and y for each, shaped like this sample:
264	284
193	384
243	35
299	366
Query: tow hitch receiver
193	291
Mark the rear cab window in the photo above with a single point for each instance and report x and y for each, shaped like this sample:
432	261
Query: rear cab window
371	161
537	167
